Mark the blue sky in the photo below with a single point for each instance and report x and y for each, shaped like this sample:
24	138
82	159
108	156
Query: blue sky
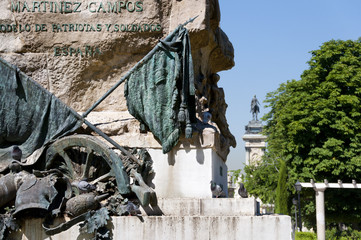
272	41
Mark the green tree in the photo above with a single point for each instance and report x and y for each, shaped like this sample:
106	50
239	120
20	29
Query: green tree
281	205
314	124
260	180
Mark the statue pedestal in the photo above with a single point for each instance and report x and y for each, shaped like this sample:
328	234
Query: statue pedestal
203	207
186	209
184	172
255	145
255	142
187	170
200	219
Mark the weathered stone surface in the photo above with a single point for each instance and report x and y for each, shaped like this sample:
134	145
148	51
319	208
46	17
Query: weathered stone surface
80	79
203	207
270	227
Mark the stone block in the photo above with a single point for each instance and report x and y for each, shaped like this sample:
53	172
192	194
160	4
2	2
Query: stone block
203	207
186	173
270	227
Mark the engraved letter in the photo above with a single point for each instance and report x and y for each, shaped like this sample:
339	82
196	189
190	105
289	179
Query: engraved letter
77	5
139	6
129	8
112	8
15	8
89	6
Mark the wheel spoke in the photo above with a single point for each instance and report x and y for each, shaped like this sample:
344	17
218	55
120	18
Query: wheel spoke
101	178
88	162
68	161
81	157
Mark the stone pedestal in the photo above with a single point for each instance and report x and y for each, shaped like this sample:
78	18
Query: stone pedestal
201	219
203	207
184	172
255	142
187	173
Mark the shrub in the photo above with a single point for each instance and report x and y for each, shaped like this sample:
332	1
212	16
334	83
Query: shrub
305	236
348	234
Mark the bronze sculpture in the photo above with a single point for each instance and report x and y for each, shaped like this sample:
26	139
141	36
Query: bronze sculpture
254	108
47	160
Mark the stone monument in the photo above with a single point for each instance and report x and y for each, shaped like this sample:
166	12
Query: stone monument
78	50
255	145
254	140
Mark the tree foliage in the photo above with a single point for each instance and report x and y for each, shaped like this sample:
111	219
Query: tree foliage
314	124
281	205
261	180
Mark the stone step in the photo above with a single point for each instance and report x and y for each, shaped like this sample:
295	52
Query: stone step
203	207
270	227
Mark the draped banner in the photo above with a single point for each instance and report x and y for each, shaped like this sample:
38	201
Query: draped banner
30	116
160	92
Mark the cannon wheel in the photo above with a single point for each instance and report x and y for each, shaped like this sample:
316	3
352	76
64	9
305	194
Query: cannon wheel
86	157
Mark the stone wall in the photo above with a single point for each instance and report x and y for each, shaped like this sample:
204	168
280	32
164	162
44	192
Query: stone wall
79	50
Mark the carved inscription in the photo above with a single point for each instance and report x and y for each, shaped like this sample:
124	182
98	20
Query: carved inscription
76	7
